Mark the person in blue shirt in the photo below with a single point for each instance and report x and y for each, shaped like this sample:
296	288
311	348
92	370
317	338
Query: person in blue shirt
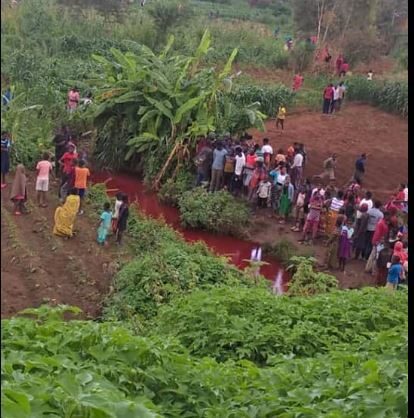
360	168
395	273
6	97
5	157
217	167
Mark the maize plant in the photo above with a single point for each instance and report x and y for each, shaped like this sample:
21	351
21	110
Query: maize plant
390	96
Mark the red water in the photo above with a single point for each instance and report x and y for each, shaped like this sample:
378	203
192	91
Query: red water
235	249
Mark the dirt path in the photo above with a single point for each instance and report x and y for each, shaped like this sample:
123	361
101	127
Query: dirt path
356	129
38	267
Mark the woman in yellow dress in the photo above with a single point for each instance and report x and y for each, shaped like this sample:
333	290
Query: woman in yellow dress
65	215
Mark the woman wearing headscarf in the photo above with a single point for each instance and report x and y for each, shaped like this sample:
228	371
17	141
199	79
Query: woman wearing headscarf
19	190
400	252
65	215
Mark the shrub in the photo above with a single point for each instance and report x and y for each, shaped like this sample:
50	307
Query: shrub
172	189
306	280
217	212
283	250
229	323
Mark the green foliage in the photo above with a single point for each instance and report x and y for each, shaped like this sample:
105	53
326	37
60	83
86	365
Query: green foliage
254	324
217	212
282	250
306	281
171	190
89	369
390	96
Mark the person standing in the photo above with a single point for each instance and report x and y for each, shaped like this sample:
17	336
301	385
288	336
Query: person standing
286	200
44	168
5	157
360	234
281	116
66	161
345	244
73	99
329	166
229	164
267	151
123	216
366	200
104	224
297	82
344	69
370	75
313	217
374	216
359	172
203	162
395	273
82	174
341	96
19	190
240	162
217	168
327	98
338	63
263	192
297	169
334	104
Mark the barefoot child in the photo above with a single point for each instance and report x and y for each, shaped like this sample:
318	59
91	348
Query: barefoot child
104	224
81	181
44	169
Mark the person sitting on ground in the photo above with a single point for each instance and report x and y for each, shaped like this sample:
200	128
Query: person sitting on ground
65	215
104	224
18	193
44	169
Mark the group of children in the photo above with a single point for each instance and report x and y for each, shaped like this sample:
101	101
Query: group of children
74	177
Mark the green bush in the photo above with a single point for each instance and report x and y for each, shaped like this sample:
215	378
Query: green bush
254	324
217	212
282	251
307	281
88	369
171	190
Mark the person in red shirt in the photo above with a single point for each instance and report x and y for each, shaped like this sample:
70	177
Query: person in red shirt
328	94
66	162
344	69
381	230
297	82
339	62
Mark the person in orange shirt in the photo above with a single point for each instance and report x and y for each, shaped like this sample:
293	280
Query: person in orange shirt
81	179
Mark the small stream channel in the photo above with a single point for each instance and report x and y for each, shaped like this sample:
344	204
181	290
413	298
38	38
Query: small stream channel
235	249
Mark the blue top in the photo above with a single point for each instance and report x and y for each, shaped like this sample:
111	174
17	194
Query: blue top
106	219
218	159
394	273
360	164
5	144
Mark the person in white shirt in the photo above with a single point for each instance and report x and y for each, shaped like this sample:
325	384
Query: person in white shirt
336	92
240	162
367	200
370	75
263	192
267	151
297	169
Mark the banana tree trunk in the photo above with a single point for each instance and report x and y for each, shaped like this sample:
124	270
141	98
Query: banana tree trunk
160	175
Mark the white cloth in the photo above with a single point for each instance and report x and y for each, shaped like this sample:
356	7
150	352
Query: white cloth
267	149
297	160
118	204
263	190
368	202
321	191
256	254
406	194
281	178
336	93
240	163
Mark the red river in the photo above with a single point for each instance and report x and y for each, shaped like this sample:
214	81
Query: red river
236	250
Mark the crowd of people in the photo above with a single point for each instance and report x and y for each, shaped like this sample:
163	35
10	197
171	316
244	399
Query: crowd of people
348	220
69	169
